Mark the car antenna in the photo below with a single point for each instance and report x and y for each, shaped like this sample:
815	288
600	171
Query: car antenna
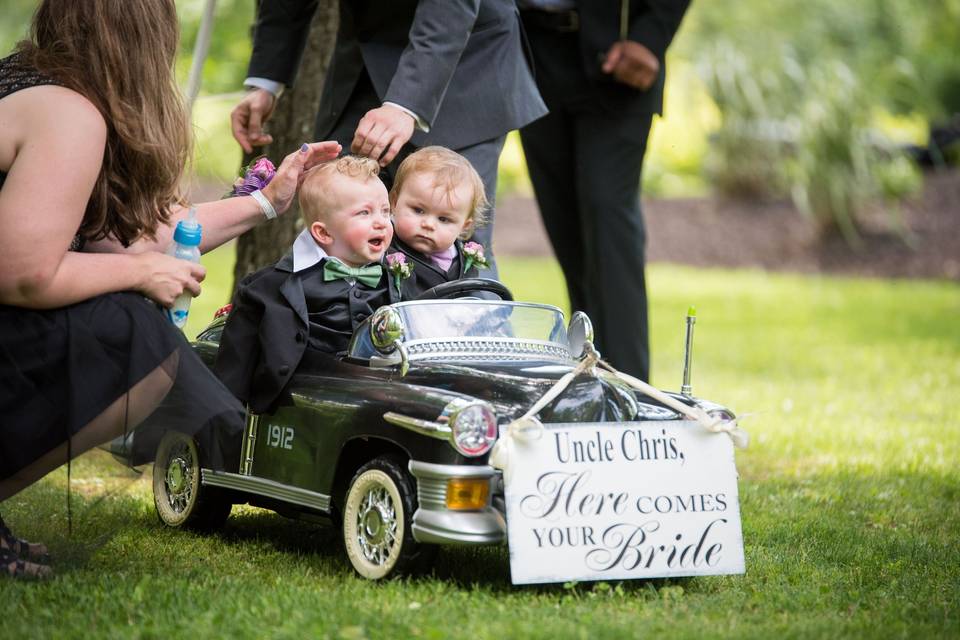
686	389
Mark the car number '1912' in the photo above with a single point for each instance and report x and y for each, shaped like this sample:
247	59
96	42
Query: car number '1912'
280	437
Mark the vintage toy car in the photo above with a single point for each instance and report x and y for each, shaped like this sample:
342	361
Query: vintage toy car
391	442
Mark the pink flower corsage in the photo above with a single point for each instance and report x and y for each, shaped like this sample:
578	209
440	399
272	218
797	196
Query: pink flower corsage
398	266
254	177
474	256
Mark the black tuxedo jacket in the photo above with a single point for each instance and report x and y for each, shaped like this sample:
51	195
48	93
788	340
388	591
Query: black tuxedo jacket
652	23
267	332
425	273
461	65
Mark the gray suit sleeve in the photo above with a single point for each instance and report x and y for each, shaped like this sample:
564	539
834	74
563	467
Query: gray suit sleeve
438	36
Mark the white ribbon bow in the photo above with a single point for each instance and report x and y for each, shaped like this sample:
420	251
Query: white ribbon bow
527	428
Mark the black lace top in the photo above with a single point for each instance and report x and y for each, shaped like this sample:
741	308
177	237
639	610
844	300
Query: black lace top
14	76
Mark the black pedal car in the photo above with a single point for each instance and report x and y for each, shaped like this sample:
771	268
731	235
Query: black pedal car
391	442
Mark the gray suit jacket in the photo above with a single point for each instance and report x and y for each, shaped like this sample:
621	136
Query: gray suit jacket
461	65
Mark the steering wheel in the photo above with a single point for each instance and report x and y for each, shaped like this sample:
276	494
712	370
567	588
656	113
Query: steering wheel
456	289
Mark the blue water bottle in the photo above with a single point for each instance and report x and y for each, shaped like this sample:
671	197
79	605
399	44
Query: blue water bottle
186	246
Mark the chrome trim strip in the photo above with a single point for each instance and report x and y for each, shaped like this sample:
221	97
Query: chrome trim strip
424	427
249	442
267	488
432	493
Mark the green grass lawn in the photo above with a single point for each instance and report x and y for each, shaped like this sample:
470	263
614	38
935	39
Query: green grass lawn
849	498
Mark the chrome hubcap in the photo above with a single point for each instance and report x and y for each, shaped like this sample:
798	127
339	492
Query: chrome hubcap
377	525
179	479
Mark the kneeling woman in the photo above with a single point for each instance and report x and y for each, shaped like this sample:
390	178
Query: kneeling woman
94	138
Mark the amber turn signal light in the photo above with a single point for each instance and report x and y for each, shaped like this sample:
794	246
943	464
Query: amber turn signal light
467	494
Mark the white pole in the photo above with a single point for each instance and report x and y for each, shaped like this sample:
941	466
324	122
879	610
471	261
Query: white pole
200	50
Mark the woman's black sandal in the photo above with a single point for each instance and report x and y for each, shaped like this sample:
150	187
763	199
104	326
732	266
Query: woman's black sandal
33	551
14	567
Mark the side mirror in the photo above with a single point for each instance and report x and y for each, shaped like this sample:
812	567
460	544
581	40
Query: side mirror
386	333
579	333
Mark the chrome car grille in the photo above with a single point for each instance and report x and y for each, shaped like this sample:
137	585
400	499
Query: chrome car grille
487	349
432	493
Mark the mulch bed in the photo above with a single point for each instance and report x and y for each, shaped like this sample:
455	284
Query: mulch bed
775	236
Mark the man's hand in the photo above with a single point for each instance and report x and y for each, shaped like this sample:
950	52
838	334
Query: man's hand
381	133
632	64
248	117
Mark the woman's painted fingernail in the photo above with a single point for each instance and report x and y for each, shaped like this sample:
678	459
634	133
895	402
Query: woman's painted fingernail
304	148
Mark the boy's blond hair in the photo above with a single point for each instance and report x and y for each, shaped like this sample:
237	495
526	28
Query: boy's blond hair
315	197
450	170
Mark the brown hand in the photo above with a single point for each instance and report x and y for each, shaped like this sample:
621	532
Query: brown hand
632	64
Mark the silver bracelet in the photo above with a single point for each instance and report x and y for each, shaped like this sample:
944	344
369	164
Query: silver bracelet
265	205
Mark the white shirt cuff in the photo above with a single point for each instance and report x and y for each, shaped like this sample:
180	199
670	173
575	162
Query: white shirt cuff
274	87
421	123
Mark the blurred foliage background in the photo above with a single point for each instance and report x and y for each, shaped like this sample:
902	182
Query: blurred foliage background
813	99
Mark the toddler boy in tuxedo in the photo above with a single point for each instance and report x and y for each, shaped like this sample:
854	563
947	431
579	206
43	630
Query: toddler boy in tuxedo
437	200
316	295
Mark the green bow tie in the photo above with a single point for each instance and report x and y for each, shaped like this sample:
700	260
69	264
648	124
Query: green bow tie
336	270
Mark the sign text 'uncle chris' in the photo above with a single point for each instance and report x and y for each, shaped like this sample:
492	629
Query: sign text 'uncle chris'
632	445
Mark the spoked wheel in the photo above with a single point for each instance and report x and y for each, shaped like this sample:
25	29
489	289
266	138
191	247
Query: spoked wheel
377	514
180	499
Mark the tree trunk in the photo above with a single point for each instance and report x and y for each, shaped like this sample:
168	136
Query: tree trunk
291	125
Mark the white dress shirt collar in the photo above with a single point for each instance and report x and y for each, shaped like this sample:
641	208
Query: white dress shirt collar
306	251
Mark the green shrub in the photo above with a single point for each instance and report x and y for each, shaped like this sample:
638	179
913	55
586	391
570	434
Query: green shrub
786	130
743	158
840	163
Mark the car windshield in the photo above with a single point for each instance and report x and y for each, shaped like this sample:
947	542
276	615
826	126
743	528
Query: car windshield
458	329
444	319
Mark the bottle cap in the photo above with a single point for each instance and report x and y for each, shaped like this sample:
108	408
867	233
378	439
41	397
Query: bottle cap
188	231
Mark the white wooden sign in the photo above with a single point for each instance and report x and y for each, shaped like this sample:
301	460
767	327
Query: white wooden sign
632	500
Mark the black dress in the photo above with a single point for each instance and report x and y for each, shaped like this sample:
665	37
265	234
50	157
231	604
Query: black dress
70	377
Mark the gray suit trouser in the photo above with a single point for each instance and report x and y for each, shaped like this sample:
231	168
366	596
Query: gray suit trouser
484	157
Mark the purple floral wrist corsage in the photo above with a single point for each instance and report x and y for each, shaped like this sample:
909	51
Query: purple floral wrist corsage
254	177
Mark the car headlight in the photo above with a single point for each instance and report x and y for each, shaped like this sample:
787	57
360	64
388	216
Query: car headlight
473	429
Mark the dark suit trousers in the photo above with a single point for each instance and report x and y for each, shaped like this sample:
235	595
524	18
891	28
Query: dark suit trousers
484	157
585	161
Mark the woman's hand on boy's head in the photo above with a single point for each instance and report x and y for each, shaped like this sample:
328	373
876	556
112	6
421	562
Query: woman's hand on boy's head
283	188
317	153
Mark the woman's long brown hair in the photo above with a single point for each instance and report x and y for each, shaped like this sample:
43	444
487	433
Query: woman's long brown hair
119	54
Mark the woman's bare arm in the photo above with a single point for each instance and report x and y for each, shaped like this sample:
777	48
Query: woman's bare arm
56	139
224	220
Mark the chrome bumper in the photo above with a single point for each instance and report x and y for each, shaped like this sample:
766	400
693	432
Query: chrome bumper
435	524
